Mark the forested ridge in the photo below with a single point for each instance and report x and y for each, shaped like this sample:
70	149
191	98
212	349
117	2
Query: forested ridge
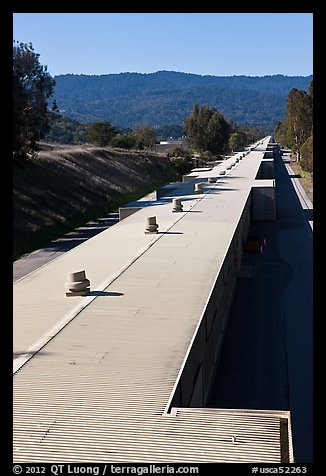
167	97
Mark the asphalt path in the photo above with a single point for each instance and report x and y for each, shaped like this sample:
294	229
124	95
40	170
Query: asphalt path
267	355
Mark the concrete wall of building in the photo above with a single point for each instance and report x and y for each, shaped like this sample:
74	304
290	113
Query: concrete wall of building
170	146
197	375
124	212
266	169
263	193
188	178
263	202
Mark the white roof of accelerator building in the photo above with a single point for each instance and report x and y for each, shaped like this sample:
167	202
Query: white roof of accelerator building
94	375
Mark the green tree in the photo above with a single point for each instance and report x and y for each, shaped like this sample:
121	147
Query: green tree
237	140
299	119
253	134
306	151
55	108
182	164
181	160
100	133
281	133
170	131
297	127
207	129
32	87
64	130
124	141
145	136
311	89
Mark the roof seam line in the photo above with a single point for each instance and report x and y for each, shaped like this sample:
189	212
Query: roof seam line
49	335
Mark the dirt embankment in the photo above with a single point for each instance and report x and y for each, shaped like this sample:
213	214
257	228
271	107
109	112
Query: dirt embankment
304	177
66	187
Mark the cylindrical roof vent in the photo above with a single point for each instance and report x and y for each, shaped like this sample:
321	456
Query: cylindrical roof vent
77	284
177	205
198	188
151	225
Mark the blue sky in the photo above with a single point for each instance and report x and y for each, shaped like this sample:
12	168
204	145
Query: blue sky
220	44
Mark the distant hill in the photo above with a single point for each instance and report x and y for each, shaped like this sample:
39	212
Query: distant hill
167	97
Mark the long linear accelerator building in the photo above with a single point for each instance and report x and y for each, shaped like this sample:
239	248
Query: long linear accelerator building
123	374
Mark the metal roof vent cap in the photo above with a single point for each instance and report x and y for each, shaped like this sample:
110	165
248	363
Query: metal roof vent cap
177	205
212	179
198	188
222	172
151	225
77	284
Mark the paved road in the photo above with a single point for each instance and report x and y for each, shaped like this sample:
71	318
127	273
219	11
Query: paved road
29	262
266	360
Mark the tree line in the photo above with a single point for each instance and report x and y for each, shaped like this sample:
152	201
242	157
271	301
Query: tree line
296	130
207	130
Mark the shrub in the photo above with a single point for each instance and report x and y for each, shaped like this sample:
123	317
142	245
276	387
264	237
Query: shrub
306	151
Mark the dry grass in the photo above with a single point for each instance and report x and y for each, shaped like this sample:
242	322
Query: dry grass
67	186
305	178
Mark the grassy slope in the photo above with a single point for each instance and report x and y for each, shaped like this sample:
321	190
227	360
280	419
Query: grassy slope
305	179
66	187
